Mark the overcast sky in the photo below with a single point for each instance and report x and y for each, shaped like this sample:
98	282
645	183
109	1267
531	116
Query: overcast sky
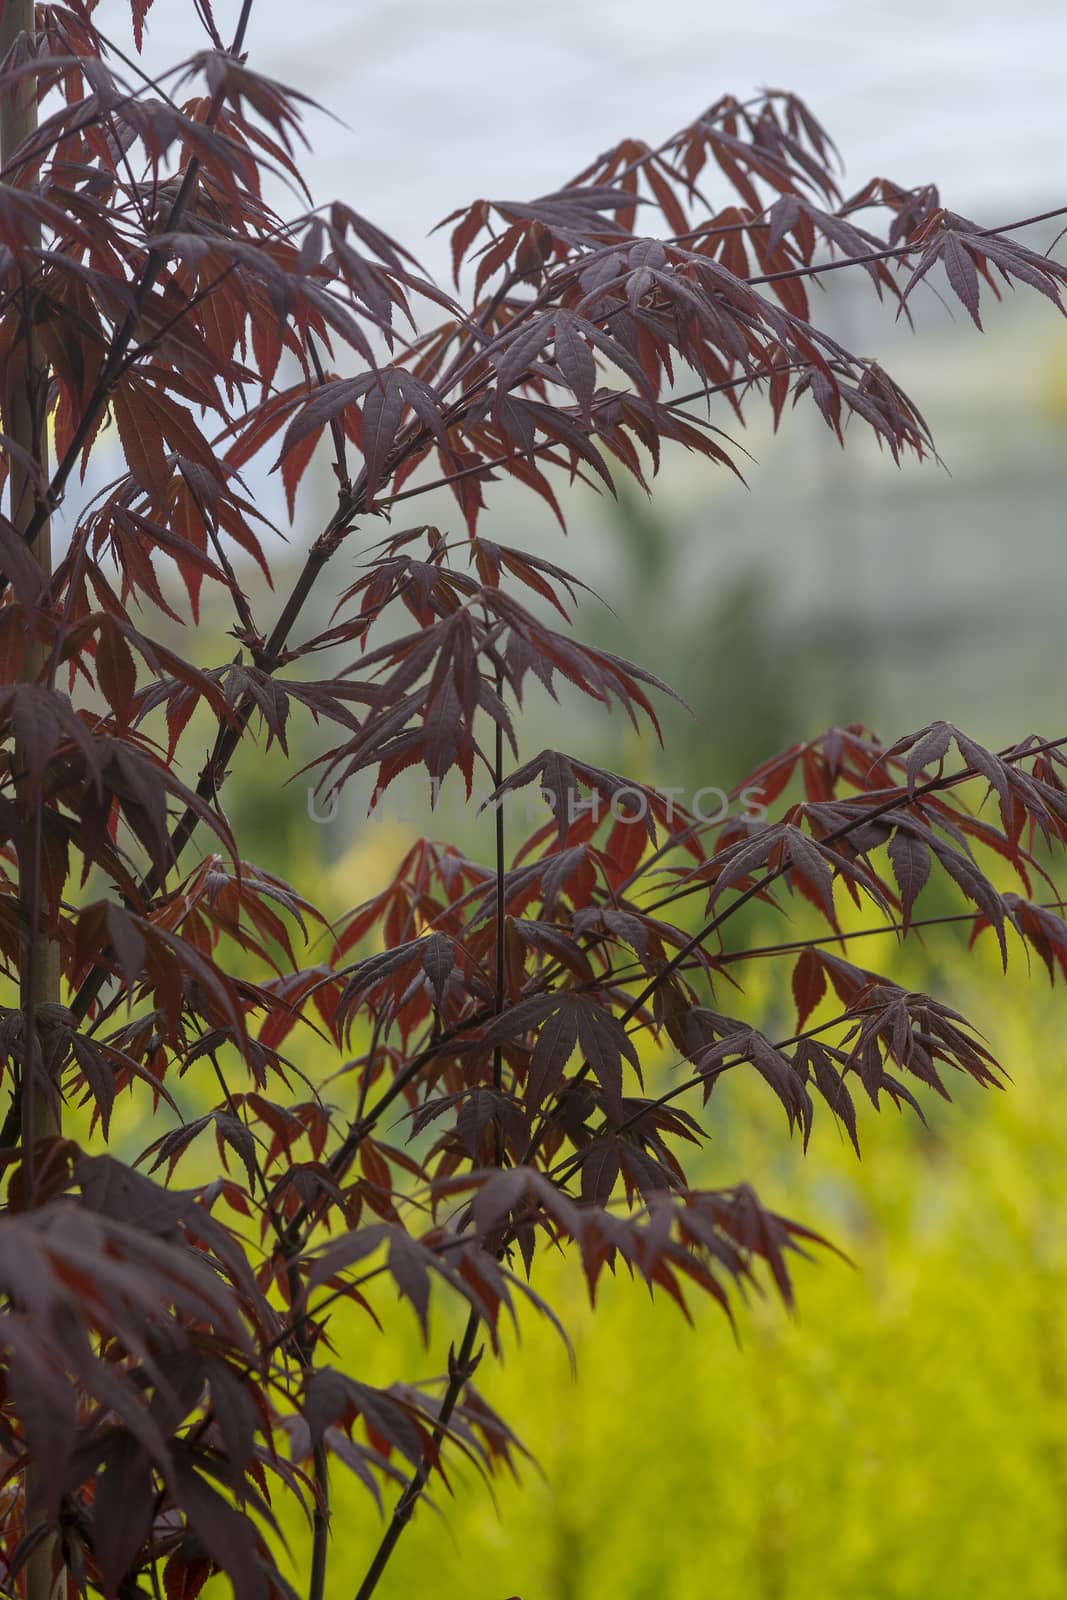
449	100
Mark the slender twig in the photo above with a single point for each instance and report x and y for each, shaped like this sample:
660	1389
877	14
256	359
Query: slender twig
301	1339
571	1164
501	921
898	799
888	254
459	1365
548	445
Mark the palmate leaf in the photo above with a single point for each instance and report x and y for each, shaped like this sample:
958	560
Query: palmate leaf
67	1270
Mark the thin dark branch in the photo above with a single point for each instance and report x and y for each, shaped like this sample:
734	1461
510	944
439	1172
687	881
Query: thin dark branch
712	925
460	1366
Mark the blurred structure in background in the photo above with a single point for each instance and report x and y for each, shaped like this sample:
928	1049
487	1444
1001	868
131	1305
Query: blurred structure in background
834	1459
873	554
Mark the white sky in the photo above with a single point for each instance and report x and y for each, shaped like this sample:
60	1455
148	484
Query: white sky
449	100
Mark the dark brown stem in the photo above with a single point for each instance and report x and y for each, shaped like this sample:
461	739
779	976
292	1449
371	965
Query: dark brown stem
320	1513
40	966
899	799
900	250
501	924
337	433
548	445
571	1164
460	1365
28	429
303	1346
242	28
405	1506
228	737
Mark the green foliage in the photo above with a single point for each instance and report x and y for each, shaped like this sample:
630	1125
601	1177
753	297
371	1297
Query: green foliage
718	641
903	1438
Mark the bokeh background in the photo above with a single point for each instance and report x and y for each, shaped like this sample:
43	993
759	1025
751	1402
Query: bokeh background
905	1436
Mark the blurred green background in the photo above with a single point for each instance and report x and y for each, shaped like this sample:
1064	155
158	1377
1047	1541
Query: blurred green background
905	1435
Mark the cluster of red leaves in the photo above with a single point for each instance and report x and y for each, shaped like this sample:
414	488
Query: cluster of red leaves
153	1360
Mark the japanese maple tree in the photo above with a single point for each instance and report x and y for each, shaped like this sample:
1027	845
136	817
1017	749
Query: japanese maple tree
166	1374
